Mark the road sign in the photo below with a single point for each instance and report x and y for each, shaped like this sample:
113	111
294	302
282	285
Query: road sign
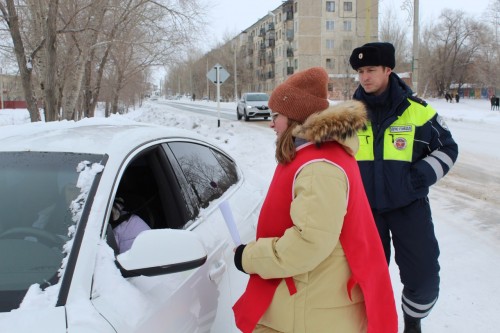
212	74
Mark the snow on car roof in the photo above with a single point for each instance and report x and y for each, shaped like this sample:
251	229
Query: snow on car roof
90	135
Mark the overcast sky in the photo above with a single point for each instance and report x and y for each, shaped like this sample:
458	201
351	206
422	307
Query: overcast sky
232	16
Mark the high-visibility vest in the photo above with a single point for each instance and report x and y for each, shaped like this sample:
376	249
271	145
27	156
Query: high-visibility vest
398	137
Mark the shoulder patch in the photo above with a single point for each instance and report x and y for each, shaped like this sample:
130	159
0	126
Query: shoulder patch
418	100
442	123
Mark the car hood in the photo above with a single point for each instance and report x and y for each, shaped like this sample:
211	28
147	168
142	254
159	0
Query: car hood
51	320
257	103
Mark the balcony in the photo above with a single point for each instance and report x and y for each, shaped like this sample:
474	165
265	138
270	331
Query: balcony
289	52
289	70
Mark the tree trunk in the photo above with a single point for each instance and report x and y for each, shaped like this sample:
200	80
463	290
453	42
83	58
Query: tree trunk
25	67
72	90
51	111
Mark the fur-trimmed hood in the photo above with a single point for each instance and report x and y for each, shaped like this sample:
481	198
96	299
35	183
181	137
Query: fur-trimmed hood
338	122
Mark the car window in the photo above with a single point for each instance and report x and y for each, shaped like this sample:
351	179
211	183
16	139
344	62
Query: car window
150	189
257	97
36	190
207	171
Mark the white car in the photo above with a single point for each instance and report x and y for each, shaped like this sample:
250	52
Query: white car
59	270
253	105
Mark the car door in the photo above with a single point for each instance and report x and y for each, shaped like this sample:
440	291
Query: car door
176	302
217	181
211	177
185	180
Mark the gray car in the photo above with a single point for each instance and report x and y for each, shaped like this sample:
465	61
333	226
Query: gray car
253	105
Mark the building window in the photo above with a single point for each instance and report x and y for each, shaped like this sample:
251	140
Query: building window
329	44
296	63
330	63
348	6
347	44
330	6
295	6
347	26
330	25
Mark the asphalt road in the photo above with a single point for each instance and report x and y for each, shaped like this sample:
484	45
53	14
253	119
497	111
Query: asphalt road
210	110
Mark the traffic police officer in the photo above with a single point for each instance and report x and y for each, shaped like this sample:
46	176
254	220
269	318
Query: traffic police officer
405	148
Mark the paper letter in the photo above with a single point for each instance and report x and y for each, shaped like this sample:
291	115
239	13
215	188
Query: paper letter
231	225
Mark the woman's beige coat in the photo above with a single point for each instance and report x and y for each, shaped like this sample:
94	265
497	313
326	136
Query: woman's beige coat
310	252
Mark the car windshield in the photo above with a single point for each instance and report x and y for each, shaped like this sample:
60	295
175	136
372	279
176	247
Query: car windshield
257	97
36	190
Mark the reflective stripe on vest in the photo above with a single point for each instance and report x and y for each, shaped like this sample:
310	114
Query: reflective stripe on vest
399	137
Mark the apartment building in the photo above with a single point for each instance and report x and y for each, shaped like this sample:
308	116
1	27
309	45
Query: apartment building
304	33
11	91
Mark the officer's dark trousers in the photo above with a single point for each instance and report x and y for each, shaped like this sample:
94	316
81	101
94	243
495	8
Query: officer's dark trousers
416	252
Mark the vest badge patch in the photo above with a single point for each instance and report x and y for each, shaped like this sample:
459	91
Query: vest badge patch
441	122
400	129
400	143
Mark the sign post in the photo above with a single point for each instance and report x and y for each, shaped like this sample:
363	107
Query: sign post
218	75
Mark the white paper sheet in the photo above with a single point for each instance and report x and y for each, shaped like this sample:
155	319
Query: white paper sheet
230	223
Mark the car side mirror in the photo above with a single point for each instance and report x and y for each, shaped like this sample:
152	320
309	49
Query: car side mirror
162	251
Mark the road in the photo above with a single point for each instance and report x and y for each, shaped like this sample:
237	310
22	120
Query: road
211	110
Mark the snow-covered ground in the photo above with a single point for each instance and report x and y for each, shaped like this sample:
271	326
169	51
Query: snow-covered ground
466	203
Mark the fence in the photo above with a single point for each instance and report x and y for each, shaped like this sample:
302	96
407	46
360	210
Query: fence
13	105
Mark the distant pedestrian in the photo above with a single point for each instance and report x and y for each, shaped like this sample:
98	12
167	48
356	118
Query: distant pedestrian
494	102
448	97
194	97
457	97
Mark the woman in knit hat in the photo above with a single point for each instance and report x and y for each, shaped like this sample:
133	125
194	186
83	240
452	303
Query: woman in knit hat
317	264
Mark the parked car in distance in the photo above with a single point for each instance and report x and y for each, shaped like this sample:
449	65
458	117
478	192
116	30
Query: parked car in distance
60	270
253	105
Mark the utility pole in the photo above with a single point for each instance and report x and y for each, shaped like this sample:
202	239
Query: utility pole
235	73
368	23
208	88
415	46
1	88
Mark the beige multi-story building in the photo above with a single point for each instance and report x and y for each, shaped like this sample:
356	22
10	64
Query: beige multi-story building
304	33
10	90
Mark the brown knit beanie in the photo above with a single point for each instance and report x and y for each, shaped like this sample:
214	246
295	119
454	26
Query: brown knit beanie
301	95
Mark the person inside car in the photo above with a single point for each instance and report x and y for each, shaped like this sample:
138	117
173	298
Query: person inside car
126	226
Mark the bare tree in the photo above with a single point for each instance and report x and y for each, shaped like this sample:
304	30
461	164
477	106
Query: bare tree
10	16
452	45
392	30
70	43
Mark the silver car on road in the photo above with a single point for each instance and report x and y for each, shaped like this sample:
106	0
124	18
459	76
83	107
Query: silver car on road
253	105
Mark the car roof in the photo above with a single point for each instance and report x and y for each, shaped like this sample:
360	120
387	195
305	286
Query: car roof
91	135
